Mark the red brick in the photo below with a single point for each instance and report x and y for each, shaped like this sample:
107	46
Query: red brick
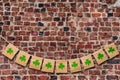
94	72
43	78
96	15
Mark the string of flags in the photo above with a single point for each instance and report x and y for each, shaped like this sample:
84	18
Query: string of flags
60	66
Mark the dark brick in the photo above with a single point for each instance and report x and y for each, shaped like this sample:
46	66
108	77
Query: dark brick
73	4
114	37
7	13
41	33
36	10
17	77
72	38
107	66
0	29
112	77
14	72
40	24
5	66
73	56
1	23
53	4
81	0
7	22
66	28
88	29
53	78
68	14
7	4
43	9
56	19
40	5
114	61
110	14
17	18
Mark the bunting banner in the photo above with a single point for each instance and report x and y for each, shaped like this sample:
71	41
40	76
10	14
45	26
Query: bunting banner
48	65
22	58
35	63
10	51
75	65
111	50
61	66
100	56
87	61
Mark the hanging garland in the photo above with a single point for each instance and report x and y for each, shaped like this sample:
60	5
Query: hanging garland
48	65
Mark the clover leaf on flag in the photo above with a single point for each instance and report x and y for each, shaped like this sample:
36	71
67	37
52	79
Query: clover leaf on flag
74	64
61	66
48	65
87	61
23	58
111	50
36	62
10	50
100	56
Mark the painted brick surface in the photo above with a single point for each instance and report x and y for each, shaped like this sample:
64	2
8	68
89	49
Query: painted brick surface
59	29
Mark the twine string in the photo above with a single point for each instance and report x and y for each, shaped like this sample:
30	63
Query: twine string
3	38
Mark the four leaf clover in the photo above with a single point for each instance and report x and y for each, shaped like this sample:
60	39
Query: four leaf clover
100	56
74	64
48	65
87	61
111	50
61	66
23	58
36	62
10	50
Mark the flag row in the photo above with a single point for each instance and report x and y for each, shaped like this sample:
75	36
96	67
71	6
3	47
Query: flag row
60	66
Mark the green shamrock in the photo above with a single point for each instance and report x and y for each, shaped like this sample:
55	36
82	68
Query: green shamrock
111	50
36	62
100	56
74	64
48	65
10	50
23	58
87	61
61	66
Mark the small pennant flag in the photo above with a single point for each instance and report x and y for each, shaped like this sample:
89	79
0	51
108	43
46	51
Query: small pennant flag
100	56
48	65
61	66
22	58
111	50
10	51
35	62
87	61
74	65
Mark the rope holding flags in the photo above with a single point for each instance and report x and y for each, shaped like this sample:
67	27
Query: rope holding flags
60	66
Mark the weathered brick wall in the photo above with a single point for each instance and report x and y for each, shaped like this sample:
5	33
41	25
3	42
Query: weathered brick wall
59	29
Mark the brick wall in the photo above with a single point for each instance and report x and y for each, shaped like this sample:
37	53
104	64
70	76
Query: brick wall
59	29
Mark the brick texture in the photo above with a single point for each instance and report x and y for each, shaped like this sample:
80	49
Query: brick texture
59	29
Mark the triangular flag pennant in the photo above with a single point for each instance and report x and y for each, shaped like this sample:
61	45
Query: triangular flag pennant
100	56
87	61
61	66
10	51
22	58
35	62
111	50
74	65
48	65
